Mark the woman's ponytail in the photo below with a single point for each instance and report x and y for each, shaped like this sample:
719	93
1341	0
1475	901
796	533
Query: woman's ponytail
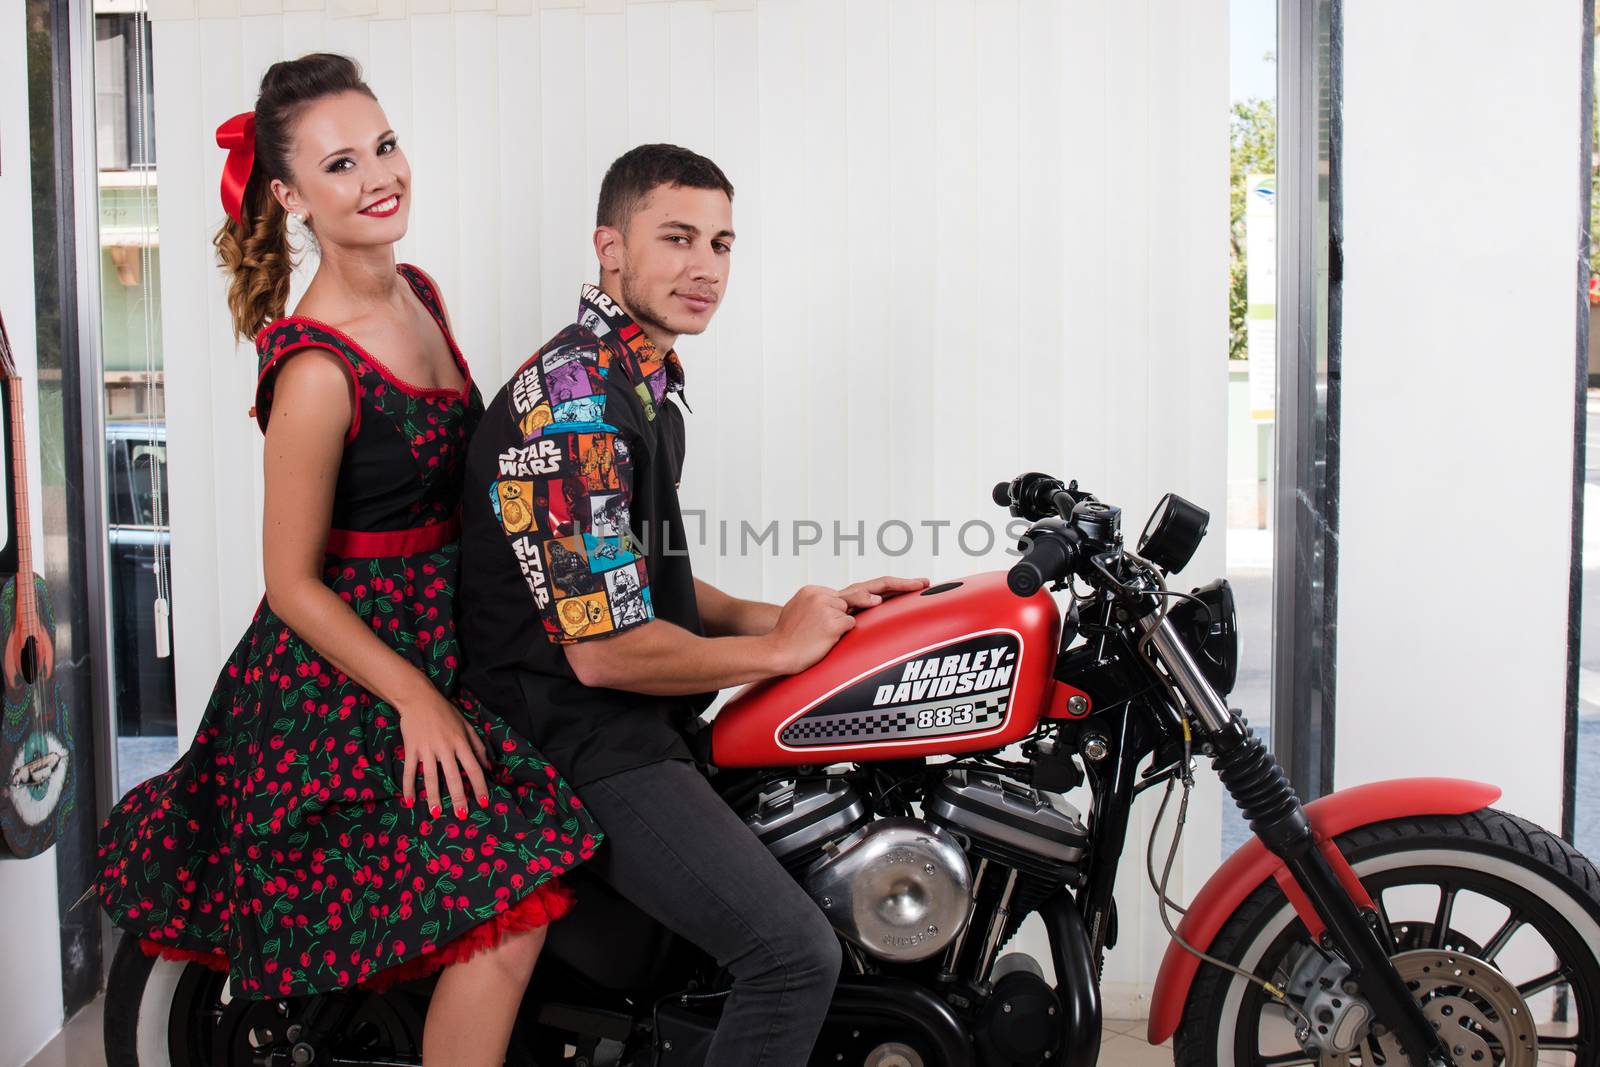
257	258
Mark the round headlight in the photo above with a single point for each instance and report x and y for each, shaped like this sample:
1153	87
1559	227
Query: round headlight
1212	633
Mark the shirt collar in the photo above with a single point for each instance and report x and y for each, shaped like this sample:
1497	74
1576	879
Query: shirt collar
597	310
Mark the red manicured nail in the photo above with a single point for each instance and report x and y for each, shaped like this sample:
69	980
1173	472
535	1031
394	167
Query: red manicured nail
461	813
408	801
483	800
436	811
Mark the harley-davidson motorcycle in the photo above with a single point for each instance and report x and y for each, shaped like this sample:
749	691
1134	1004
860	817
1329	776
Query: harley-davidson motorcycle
968	757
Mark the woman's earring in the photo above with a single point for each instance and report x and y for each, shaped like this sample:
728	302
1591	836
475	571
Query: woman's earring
300	220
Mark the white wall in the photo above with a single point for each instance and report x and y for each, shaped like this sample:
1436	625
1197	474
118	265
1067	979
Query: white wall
976	238
30	936
1462	163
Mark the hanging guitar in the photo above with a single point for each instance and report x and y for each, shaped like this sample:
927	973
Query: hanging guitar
35	742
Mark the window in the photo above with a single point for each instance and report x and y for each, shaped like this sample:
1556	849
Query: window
1252	358
124	94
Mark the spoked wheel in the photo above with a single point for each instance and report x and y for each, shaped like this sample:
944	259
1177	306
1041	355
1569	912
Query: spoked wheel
1496	928
159	1012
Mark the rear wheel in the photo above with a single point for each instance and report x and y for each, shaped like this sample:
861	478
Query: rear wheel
1496	927
160	1012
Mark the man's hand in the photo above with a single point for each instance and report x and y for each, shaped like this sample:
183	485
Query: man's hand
809	625
865	594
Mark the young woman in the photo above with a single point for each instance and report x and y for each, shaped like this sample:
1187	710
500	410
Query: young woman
346	815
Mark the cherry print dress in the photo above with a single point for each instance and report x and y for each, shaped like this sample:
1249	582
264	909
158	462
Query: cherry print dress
278	847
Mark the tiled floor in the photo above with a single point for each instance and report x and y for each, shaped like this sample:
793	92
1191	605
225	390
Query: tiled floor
1122	1044
79	1044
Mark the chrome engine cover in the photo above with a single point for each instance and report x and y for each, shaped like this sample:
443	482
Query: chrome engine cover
898	887
1010	823
796	819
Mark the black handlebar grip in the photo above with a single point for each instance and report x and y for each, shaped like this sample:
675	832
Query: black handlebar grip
1002	494
1046	559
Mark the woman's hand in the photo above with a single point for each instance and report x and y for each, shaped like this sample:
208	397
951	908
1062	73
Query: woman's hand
313	404
436	737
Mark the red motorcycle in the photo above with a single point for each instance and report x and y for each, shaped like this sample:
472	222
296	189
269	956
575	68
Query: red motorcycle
917	783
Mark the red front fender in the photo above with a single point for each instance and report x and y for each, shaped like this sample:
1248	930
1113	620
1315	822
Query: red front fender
1247	868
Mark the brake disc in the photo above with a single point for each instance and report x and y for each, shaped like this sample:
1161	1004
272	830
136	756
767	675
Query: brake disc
1476	1010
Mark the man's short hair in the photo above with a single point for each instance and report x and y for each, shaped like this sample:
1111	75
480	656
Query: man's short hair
639	170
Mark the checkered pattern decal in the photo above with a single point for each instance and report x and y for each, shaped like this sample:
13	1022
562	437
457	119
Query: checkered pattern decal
900	724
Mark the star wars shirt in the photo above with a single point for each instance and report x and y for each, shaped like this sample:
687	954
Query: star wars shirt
571	531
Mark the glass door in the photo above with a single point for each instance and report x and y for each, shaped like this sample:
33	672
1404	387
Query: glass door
134	445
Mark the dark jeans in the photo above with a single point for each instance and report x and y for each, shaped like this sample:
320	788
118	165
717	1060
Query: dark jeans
679	853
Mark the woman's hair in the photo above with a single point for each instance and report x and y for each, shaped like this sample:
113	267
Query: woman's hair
256	254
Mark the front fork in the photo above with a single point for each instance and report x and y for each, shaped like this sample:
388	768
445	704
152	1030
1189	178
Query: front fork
1277	817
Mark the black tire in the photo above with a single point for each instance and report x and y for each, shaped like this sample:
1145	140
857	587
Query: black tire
1486	854
130	971
144	997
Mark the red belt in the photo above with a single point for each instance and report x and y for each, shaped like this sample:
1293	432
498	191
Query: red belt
378	543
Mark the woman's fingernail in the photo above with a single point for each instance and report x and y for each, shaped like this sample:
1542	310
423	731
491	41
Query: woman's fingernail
461	813
436	810
408	801
483	800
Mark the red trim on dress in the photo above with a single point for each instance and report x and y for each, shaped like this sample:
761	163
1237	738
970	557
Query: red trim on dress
378	365
548	902
216	961
301	346
444	327
377	544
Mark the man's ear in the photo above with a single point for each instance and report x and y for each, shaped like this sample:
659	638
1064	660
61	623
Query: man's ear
608	248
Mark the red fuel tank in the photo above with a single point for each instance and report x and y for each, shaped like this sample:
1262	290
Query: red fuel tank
962	666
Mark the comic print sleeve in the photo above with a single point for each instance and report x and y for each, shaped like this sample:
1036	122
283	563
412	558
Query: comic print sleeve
562	496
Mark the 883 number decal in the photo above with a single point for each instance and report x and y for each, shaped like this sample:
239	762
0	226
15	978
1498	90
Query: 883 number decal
935	718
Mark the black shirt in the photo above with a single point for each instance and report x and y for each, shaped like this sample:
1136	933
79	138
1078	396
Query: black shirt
571	531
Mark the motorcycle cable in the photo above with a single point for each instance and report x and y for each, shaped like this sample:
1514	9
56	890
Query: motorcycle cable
1183	770
1161	590
1160	884
1163	902
1184	774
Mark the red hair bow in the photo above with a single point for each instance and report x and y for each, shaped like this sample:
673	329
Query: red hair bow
238	136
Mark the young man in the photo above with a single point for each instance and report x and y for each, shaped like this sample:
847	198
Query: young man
582	623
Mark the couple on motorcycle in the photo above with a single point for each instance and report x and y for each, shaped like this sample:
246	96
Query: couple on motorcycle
546	705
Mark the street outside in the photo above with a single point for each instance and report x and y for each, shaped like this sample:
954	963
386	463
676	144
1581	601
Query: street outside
1250	574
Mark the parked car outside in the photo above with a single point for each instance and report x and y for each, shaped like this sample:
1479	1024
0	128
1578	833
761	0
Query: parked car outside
136	462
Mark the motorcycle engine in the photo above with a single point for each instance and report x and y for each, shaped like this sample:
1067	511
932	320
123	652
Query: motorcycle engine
898	887
1024	839
1010	824
901	888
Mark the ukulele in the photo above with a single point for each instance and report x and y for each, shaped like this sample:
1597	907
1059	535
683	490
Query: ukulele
35	743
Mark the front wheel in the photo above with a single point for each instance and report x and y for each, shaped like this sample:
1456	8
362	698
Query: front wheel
1496	929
